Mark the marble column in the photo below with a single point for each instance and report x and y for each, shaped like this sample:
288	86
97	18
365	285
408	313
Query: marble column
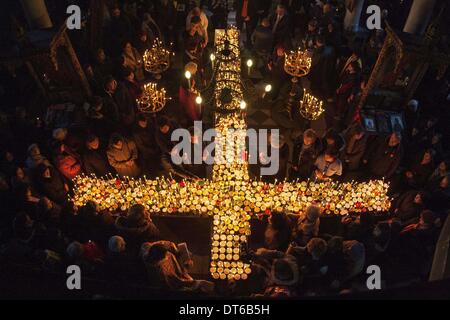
419	16
36	14
353	15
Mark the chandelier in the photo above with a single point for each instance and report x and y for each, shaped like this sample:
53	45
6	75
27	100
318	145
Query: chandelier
310	107
297	64
157	59
152	100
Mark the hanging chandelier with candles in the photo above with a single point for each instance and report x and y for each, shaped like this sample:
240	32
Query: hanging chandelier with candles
152	99
310	107
157	59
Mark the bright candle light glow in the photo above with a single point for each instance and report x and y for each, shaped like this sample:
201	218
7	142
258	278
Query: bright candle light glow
198	100
188	75
212	57
243	104
249	63
268	88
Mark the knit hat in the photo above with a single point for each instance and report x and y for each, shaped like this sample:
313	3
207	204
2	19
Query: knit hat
116	244
60	134
75	250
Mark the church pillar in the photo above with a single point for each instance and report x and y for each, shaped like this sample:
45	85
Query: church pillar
353	14
36	14
419	16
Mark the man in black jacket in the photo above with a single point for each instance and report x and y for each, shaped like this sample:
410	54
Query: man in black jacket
247	12
94	160
281	26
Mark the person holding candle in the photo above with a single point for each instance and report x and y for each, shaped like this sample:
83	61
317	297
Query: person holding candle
123	155
187	93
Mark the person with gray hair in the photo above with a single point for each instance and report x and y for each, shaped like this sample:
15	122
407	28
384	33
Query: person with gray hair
306	150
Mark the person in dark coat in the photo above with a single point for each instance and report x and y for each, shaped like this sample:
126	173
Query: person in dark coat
94	159
110	105
262	38
137	227
409	205
123	156
323	69
278	75
440	193
120	264
118	31
51	184
355	146
348	87
99	122
333	140
384	156
278	232
247	13
144	137
420	170
281	26
306	150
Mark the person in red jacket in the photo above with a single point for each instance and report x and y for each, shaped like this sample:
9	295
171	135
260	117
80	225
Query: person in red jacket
67	161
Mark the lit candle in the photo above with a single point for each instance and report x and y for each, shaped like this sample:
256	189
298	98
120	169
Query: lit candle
212	57
267	89
188	76
249	65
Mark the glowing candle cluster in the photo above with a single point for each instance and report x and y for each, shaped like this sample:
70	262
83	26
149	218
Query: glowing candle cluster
152	99
157	58
310	107
231	198
205	197
297	63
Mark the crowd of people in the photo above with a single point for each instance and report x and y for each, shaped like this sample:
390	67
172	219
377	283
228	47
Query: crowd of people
40	226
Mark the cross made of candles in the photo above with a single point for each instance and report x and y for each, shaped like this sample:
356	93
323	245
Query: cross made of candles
230	197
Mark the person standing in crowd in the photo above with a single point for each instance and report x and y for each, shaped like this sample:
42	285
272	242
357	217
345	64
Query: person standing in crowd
262	39
143	136
133	60
384	155
200	25
118	31
355	147
328	166
219	10
109	101
188	93
323	69
306	150
123	156
67	161
50	183
166	16
276	69
281	26
348	87
246	14
94	159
